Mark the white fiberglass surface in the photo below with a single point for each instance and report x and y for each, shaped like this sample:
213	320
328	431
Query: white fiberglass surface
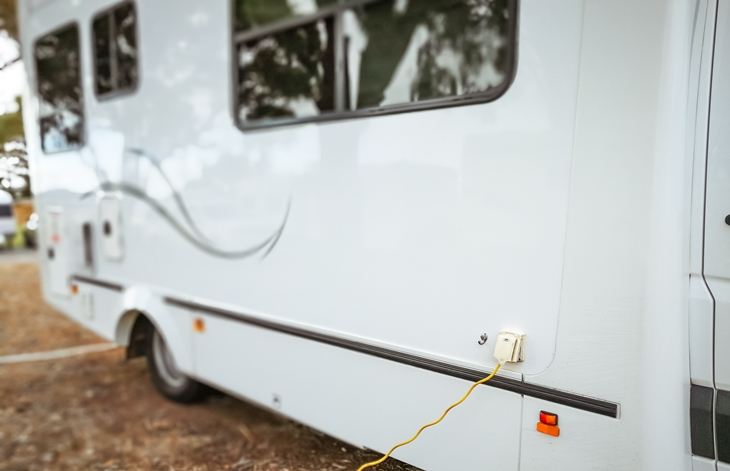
420	230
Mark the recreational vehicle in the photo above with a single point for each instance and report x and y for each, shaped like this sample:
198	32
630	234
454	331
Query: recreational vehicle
338	209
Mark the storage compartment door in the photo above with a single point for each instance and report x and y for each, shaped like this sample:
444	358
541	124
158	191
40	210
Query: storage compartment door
110	216
56	258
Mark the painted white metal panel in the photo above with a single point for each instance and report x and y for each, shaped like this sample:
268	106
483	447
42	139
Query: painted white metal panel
717	231
364	400
56	250
95	308
701	304
704	464
701	331
698	121
586	441
720	288
86	305
723	466
110	221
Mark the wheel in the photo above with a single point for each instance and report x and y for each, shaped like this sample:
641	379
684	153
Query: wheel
166	376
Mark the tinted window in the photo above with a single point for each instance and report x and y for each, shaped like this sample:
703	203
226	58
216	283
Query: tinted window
115	50
394	55
401	52
59	90
5	210
250	13
289	74
102	55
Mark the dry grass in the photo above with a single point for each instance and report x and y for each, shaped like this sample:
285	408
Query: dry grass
100	412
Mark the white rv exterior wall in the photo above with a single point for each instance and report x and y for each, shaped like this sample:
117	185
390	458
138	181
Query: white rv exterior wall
561	209
624	178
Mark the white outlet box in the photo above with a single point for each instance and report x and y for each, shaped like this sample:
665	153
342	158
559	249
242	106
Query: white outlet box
510	347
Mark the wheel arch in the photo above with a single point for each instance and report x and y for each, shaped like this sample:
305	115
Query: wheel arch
143	309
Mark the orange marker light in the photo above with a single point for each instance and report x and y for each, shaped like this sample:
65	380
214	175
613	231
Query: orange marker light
548	424
548	418
74	289
198	325
548	429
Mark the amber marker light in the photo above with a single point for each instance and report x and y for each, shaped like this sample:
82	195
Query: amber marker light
74	289
548	424
198	325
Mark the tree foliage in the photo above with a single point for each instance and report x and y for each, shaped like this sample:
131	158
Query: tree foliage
14	177
9	17
297	64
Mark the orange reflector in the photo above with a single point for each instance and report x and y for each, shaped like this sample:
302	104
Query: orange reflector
548	429
548	418
198	325
74	289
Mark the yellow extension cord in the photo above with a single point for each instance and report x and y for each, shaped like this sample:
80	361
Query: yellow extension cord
387	455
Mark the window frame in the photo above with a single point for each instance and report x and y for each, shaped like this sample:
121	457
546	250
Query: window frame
336	10
109	12
36	91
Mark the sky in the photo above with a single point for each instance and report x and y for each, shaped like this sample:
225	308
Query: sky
12	78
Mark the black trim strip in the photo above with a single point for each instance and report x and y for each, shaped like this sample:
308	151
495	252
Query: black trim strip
99	283
700	417
722	425
577	401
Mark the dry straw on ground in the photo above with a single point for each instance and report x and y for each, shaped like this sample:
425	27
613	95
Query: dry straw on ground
100	412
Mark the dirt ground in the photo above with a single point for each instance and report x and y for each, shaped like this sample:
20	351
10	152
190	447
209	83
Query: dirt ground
101	412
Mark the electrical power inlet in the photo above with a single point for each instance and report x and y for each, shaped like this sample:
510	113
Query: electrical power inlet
510	347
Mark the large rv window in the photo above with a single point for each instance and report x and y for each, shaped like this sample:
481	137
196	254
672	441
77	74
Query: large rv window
58	66
115	51
305	61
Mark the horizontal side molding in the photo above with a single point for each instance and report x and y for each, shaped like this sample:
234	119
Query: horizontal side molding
99	283
596	406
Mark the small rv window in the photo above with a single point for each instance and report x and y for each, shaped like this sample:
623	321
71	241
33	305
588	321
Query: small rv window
61	112
301	61
115	51
5	210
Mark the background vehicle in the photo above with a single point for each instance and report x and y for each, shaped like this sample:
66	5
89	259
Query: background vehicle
323	206
7	222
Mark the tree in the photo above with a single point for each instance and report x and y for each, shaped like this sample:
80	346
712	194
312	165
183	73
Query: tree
9	17
14	177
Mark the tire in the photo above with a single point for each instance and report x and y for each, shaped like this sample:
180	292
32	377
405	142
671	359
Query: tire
166	377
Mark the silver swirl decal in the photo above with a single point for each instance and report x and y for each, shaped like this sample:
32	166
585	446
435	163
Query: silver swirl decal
193	235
